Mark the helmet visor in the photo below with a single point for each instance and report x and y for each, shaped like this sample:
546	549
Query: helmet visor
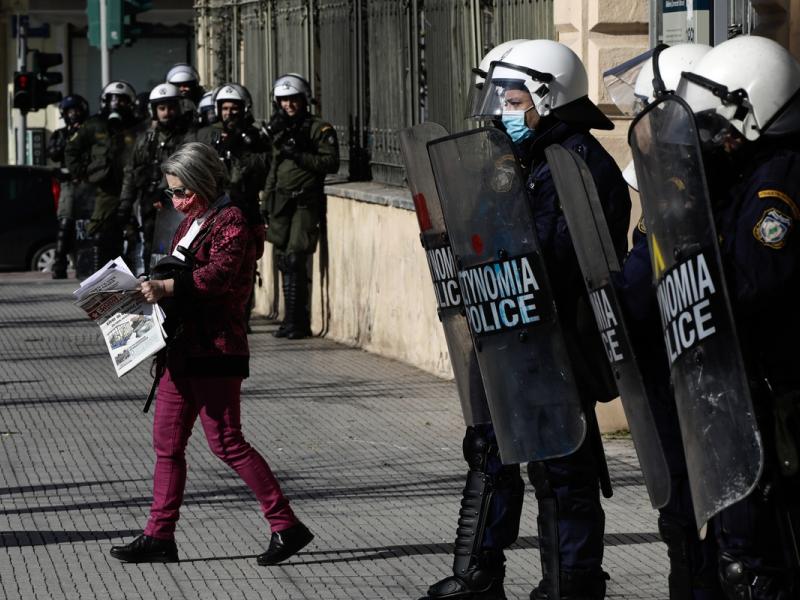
503	79
475	95
620	82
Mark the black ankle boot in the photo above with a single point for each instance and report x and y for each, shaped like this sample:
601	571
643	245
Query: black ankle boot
478	583
146	549
284	544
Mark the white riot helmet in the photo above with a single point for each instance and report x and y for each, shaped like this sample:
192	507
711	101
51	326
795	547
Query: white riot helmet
207	110
233	92
555	78
474	97
182	73
117	88
635	83
749	83
291	84
164	92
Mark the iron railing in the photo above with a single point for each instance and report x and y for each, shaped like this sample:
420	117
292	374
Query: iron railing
375	66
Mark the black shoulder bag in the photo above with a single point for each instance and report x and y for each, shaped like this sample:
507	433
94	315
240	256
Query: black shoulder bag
172	267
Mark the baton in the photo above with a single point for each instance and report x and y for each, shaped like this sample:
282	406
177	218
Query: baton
597	444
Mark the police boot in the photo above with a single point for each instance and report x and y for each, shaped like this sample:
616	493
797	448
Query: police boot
288	301
742	583
301	321
482	580
478	572
64	242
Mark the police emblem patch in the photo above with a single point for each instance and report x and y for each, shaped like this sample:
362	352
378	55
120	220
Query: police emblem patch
773	227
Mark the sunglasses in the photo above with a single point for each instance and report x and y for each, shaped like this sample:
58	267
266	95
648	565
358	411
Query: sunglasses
176	192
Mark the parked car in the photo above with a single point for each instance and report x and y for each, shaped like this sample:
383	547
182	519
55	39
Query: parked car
28	226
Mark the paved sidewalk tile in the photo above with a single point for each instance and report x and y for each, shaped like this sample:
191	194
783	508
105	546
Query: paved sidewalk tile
368	450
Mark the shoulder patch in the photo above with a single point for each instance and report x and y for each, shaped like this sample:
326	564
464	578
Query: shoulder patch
773	228
783	198
640	226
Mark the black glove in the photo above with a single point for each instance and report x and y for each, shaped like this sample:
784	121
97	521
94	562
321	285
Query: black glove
290	149
276	125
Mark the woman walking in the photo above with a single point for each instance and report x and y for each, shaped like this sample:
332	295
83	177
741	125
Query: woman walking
207	358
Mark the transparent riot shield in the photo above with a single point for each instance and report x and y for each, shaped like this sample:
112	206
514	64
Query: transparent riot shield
167	221
413	143
598	260
536	410
723	447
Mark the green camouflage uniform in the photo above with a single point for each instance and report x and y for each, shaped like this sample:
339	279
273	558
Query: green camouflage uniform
294	200
144	181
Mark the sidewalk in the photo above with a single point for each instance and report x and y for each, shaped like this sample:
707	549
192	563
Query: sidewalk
368	449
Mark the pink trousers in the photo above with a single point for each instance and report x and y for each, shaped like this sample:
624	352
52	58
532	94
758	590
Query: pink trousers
217	402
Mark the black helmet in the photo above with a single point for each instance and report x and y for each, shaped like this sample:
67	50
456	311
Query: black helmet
77	102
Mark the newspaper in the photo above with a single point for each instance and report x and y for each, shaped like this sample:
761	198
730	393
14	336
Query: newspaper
133	330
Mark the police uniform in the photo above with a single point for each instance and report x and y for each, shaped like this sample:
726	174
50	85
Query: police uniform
244	153
568	489
302	155
756	219
693	562
67	211
143	180
98	154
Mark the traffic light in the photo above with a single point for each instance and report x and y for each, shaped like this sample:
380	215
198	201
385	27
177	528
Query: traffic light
121	25
23	96
43	97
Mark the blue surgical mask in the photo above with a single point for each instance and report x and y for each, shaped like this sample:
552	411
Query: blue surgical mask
514	122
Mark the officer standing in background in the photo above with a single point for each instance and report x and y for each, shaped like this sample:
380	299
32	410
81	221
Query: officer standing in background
206	111
540	92
186	78
97	154
143	183
304	151
74	111
244	152
240	146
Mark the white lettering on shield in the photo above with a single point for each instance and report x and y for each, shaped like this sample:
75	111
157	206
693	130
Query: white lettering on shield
607	323
443	272
500	295
684	299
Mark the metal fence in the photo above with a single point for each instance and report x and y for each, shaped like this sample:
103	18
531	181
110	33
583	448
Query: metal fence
375	66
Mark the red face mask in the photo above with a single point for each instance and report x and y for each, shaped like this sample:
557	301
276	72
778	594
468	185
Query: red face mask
192	206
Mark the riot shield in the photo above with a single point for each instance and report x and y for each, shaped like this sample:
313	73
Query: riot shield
534	402
167	221
433	235
598	260
723	447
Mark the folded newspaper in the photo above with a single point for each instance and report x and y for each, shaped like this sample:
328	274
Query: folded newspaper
133	330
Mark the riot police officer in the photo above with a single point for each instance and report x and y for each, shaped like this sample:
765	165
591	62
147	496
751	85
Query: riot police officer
693	571
143	184
240	146
304	150
745	95
492	497
206	111
186	78
540	93
97	154
74	110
